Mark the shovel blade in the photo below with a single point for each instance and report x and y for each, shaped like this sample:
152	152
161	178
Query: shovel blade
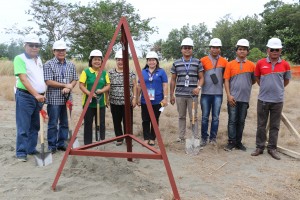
43	160
76	144
192	146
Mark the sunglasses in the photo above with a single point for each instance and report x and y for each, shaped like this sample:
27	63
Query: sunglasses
187	47
34	45
277	50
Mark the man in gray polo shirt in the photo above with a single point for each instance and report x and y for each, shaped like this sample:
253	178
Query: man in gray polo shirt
187	76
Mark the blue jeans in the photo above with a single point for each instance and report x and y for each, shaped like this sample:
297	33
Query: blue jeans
57	126
210	103
28	123
236	121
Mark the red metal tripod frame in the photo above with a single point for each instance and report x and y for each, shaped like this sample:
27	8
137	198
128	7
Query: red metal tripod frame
126	40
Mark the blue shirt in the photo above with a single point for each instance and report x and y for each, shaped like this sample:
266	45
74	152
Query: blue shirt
159	77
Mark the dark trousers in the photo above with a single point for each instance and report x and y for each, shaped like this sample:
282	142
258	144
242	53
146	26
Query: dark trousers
149	132
236	121
90	114
118	115
264	109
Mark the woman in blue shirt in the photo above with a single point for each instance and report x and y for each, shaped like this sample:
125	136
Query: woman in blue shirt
156	81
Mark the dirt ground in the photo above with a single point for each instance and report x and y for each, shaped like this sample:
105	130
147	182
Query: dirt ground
212	174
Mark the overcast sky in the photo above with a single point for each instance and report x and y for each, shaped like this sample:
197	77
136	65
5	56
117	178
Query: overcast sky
169	14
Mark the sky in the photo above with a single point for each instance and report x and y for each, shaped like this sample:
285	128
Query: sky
169	14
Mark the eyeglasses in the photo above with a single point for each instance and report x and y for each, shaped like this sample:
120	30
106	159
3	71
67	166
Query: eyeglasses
60	50
187	47
277	50
34	45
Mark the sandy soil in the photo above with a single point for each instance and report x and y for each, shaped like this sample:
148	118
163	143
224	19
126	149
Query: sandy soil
213	174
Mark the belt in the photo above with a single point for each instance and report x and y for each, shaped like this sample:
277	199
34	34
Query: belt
26	91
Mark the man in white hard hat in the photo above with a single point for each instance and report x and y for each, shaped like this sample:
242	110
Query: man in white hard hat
30	89
272	75
61	77
116	96
212	91
239	78
187	78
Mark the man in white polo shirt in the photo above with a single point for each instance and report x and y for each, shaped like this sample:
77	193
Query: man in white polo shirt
30	89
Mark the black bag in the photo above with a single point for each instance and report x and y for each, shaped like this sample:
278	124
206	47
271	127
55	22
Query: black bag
214	78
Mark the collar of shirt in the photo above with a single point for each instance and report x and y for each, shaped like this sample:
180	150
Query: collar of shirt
58	62
279	60
212	58
28	56
238	60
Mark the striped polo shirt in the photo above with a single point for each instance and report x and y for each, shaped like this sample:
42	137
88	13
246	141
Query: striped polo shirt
213	66
240	75
272	79
179	68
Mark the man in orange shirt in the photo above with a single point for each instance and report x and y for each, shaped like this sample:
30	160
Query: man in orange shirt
212	91
239	78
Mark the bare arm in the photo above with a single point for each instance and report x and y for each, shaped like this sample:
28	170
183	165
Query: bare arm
230	98
134	91
165	99
257	80
286	82
28	86
85	90
138	94
196	91
172	88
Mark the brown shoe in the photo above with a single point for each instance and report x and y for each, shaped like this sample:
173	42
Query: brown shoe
274	154
257	152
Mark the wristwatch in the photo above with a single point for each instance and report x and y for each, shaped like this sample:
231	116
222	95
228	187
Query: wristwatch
199	87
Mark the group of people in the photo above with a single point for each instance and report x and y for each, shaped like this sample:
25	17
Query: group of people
52	83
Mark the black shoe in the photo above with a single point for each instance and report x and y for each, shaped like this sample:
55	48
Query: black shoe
240	146
61	148
229	147
52	150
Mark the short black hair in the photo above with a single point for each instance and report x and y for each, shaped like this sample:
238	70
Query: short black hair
91	58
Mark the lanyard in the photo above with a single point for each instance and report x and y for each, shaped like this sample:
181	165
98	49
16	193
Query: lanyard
187	66
151	74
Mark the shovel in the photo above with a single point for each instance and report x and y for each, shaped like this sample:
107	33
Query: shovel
192	146
44	158
69	109
98	98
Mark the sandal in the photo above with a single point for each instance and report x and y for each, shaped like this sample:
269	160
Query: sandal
151	142
119	143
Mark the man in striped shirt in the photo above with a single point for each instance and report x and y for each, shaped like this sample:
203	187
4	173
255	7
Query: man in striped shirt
187	77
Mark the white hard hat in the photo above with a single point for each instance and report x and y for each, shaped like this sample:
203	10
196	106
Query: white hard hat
187	42
152	54
274	43
243	43
119	54
95	52
215	42
32	38
60	44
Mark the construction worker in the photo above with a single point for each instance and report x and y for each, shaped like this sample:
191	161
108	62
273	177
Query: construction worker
187	77
239	78
30	89
273	75
86	82
212	91
61	77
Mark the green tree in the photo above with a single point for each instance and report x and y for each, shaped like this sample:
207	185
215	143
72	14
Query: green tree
256	54
198	33
282	20
96	23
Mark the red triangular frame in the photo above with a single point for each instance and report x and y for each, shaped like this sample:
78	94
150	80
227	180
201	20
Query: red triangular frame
126	40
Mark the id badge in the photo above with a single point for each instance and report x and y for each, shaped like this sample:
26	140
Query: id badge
151	93
186	83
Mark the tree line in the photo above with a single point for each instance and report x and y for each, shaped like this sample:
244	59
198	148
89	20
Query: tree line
92	26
